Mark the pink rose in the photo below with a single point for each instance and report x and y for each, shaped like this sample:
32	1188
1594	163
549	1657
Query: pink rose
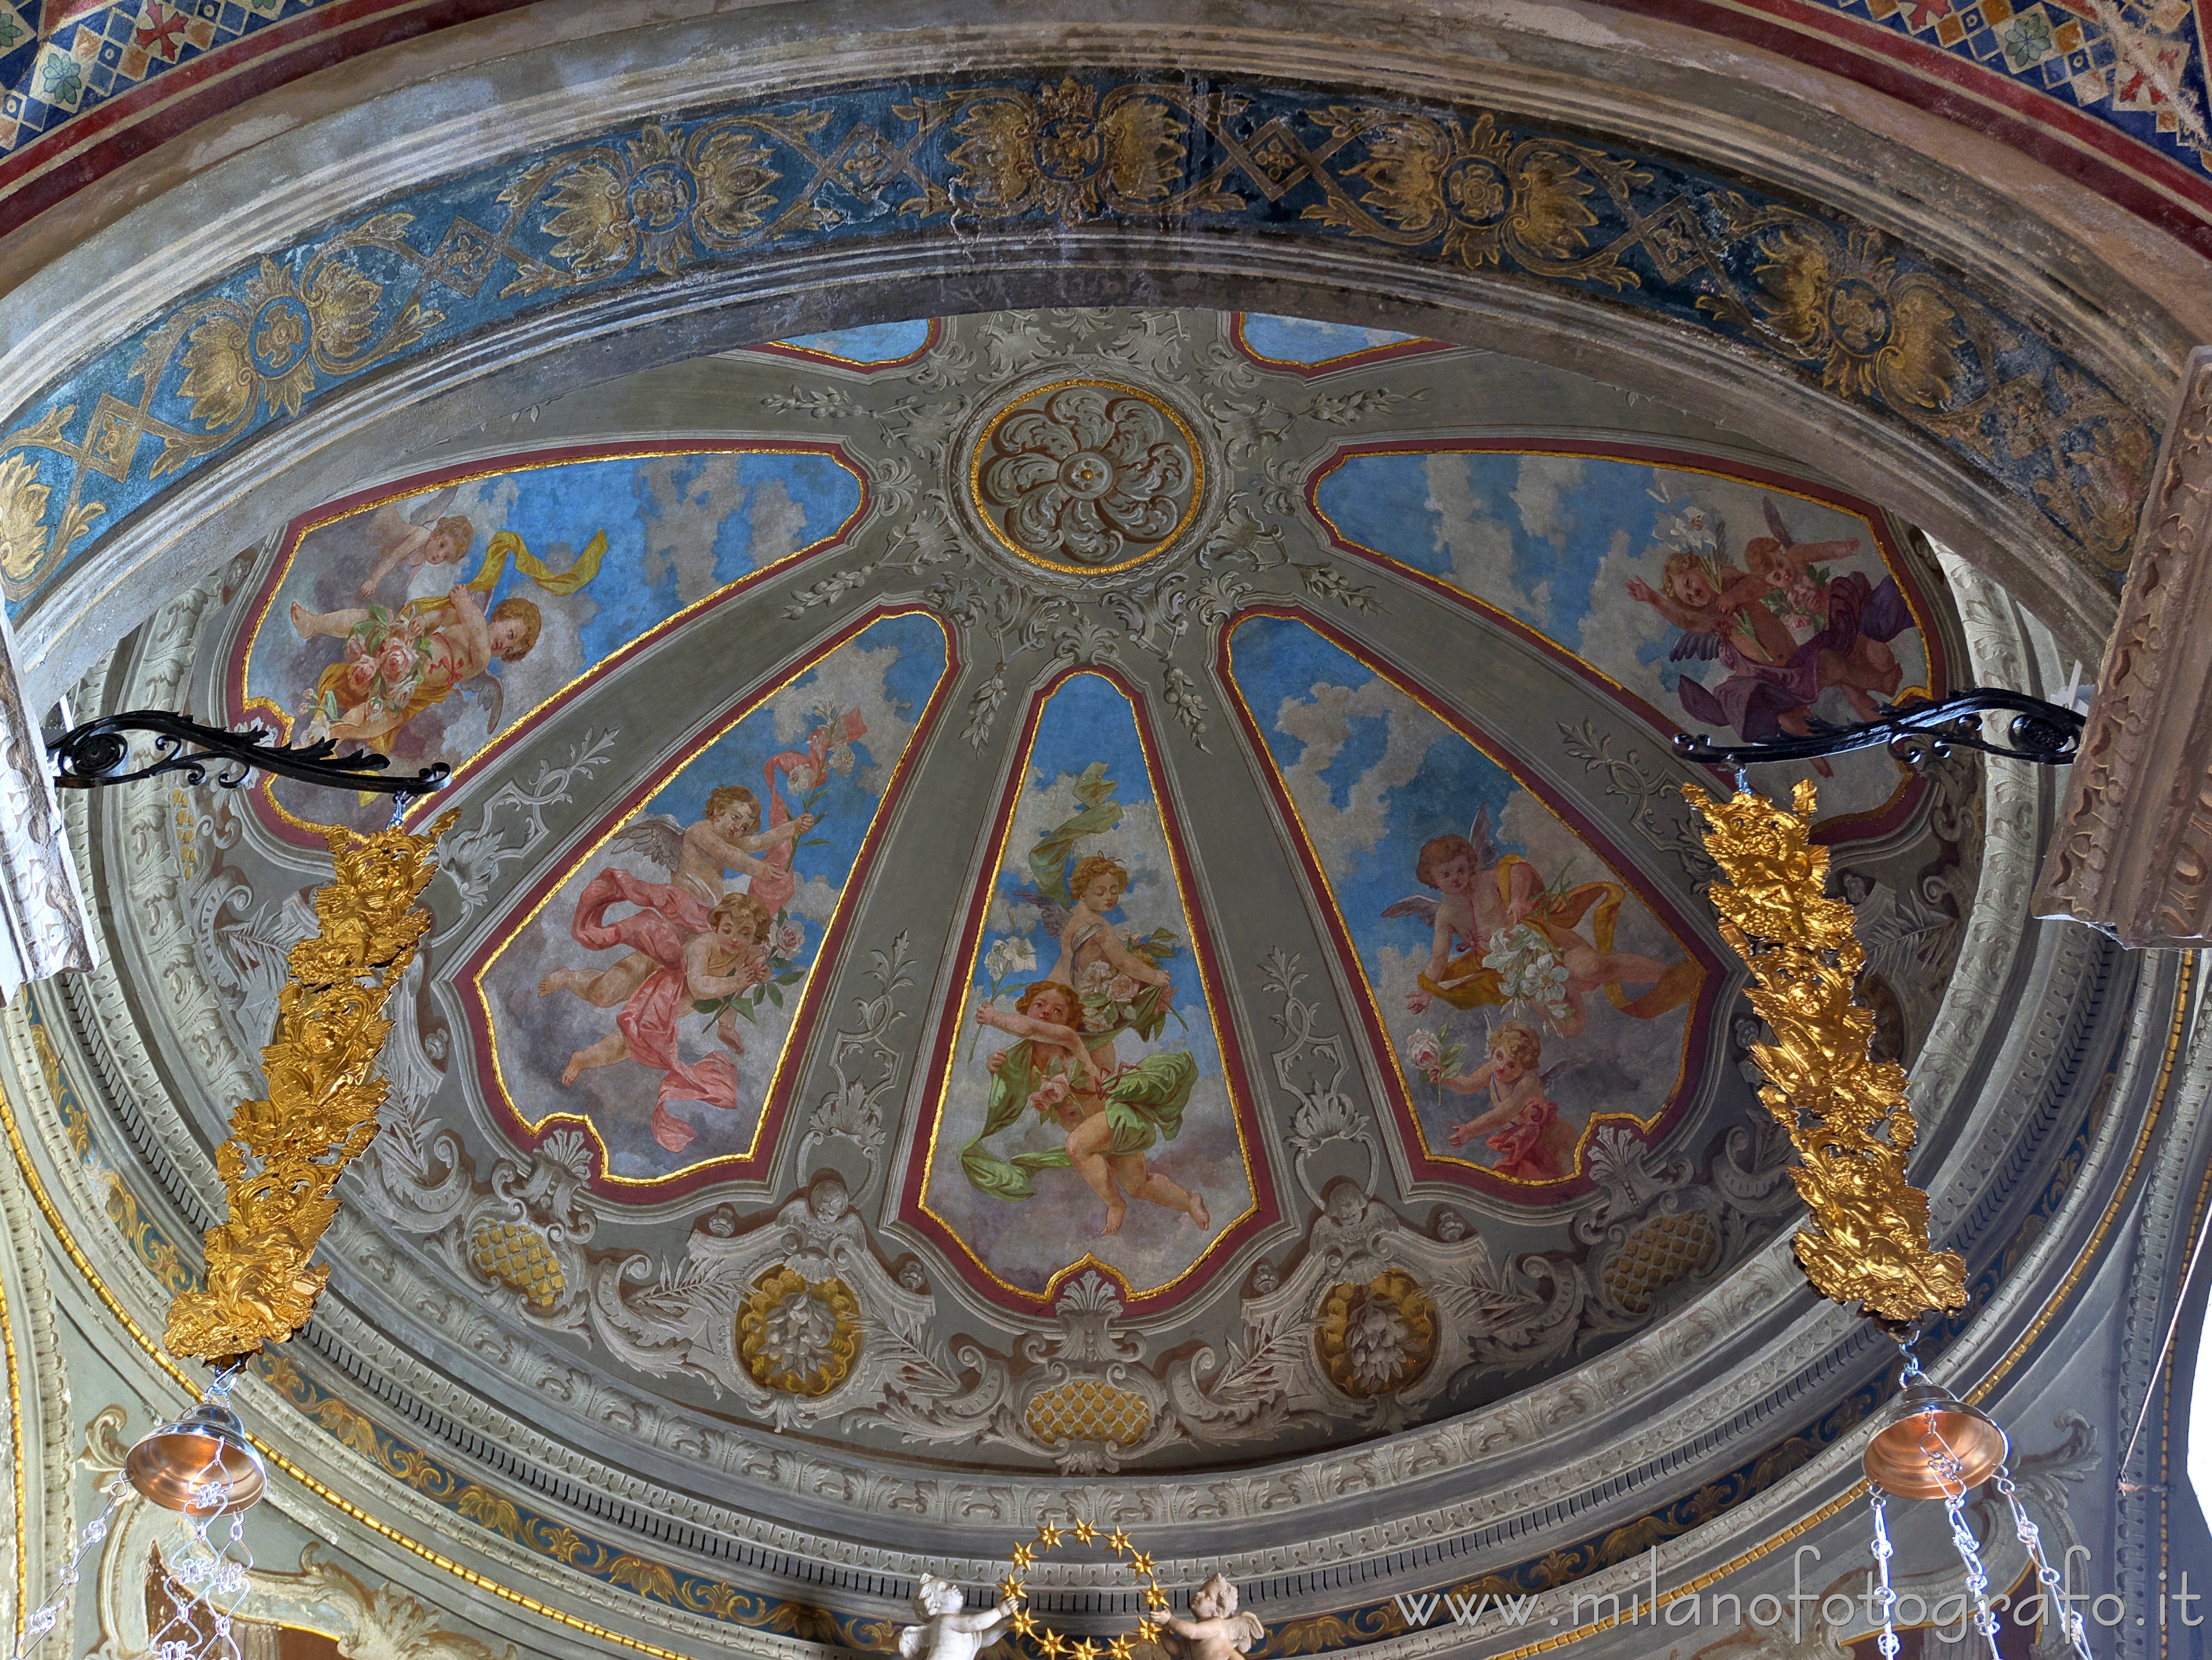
1049	1093
1123	989
790	940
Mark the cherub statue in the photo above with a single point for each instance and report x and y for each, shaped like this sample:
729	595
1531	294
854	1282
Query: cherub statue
946	1632
1219	1632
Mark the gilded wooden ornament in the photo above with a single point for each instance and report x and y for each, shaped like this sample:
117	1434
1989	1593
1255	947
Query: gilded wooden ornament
286	1151
1846	1112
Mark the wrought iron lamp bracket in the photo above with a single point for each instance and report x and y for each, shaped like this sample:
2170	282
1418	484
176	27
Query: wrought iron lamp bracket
2049	734
98	753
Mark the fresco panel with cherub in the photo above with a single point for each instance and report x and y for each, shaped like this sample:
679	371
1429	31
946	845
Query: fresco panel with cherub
1525	985
1743	607
1090	1108
429	620
651	988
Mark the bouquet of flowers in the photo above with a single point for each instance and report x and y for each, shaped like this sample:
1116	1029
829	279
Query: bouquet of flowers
1113	1001
786	937
1528	969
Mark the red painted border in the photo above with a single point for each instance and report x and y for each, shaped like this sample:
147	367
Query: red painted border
1847	827
767	1140
2093	153
829	360
246	707
1366	357
1695	1034
1212	985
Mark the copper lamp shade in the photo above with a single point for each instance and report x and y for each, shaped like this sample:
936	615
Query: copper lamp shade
1932	1445
177	1465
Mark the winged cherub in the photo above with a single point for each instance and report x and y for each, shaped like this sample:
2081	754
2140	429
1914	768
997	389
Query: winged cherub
697	857
1219	1632
728	838
1521	942
424	537
944	1632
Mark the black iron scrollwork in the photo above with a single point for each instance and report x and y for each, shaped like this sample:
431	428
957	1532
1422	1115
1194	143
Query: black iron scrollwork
2049	734
96	754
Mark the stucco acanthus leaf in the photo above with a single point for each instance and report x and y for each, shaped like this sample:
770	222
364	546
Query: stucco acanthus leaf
815	403
854	1109
797	1319
1348	409
473	857
1079	1397
1310	1068
1155	345
518	1239
1648	794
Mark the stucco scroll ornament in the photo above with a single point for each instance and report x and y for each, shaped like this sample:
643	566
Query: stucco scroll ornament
286	1151
797	1318
1310	1068
854	1109
1377	1320
1846	1112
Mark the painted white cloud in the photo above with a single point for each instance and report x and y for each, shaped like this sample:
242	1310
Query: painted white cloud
1540	492
778	523
1479	544
851	678
682	521
1323	723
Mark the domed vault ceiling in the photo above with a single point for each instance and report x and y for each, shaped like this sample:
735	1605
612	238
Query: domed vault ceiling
1048	896
1080	889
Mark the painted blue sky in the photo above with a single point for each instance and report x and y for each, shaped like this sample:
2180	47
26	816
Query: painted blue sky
1557	541
679	528
556	510
874	342
1373	775
1300	340
1087	721
1279	665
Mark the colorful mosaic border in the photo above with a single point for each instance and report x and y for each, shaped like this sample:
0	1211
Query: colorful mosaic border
1851	314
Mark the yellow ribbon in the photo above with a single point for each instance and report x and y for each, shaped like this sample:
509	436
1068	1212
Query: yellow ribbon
507	543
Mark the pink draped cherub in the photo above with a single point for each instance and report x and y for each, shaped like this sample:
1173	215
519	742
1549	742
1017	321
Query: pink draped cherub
829	749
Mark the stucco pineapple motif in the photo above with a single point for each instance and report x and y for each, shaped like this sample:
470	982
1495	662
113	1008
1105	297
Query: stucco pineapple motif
1088	1410
1086	474
1660	1253
518	1256
1379	1337
798	1336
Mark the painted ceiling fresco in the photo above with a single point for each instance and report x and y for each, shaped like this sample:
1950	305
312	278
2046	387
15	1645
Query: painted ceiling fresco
1105	889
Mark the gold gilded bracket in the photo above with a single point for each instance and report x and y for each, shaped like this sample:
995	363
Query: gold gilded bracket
287	1152
1845	1111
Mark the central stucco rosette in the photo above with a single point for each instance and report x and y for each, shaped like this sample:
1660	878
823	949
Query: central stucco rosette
1086	475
